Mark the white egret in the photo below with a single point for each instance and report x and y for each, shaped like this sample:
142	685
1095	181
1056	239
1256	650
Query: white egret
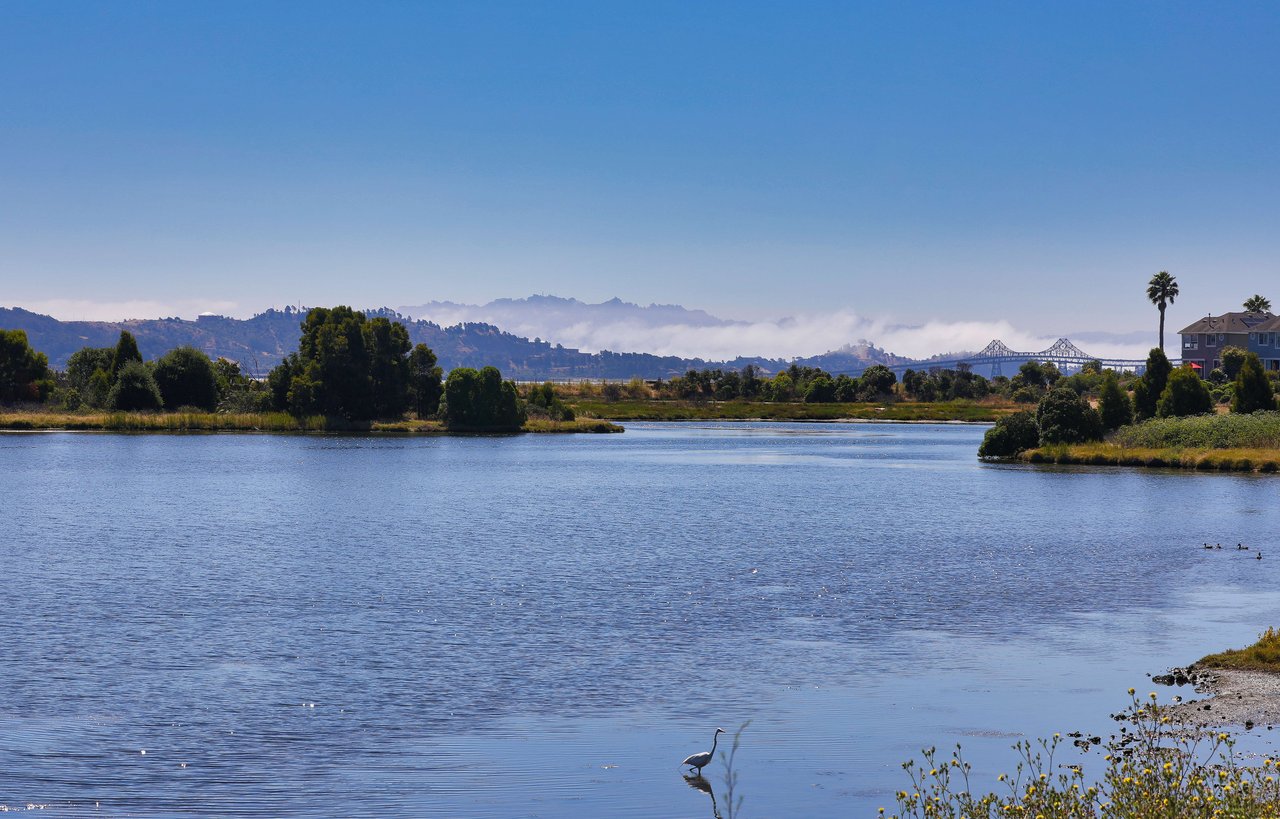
700	761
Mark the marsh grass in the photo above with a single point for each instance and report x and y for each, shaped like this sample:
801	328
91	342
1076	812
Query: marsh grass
1112	454
576	425
1162	768
251	422
674	410
1259	430
1263	655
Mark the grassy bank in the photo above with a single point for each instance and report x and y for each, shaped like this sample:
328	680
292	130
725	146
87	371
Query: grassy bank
673	410
1263	655
252	422
1214	443
1111	454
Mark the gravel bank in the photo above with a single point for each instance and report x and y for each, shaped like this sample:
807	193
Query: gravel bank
1245	698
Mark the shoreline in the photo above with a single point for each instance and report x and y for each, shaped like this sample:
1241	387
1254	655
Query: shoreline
268	423
1202	459
1233	697
738	410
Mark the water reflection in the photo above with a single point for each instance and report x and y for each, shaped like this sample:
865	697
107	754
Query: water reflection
700	783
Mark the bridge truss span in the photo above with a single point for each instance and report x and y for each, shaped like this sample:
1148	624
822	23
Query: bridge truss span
997	356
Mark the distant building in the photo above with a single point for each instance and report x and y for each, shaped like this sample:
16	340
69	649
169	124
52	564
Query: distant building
1204	340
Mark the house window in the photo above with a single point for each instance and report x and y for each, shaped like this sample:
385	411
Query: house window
1211	340
1191	344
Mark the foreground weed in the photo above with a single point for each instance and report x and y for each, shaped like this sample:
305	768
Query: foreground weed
1160	767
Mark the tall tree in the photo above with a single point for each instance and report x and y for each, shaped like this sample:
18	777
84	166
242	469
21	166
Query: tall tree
134	389
388	345
346	366
1162	290
1185	394
425	386
1147	392
1252	387
1257	304
126	351
1066	418
1114	406
482	402
186	378
1232	360
22	369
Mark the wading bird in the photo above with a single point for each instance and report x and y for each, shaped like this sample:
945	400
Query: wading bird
700	761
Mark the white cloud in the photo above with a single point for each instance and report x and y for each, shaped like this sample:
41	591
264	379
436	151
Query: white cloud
93	310
787	337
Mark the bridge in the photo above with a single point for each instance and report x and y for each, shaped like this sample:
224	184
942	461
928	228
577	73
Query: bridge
1062	353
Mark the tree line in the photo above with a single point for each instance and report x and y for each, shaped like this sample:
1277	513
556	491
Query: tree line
1065	416
347	366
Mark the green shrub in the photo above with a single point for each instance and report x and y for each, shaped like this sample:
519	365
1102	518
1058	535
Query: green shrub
1010	435
1114	407
1252	388
135	389
482	402
186	378
1065	418
1185	394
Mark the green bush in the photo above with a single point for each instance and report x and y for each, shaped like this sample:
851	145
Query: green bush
135	389
1065	418
1114	407
1010	435
482	402
186	378
24	373
1185	394
1252	388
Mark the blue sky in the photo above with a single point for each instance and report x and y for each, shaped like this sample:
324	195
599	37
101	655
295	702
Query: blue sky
1027	162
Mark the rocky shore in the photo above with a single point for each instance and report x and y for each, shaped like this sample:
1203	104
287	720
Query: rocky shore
1234	697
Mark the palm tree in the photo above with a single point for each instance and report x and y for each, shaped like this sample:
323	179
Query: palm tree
1162	290
1257	304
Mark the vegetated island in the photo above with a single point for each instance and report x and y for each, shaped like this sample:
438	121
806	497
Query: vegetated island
351	373
1165	418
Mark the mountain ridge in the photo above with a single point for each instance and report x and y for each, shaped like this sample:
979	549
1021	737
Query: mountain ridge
260	342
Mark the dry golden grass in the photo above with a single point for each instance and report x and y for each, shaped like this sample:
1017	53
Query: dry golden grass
1263	655
1200	458
251	422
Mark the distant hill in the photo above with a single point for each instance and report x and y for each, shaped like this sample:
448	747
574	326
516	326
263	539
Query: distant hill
553	316
259	343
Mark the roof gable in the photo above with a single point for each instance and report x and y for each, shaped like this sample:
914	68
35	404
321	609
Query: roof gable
1228	323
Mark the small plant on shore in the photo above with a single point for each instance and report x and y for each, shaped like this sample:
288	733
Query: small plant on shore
1263	655
1161	767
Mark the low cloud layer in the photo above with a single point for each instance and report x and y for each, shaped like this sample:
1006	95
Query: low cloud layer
788	337
671	330
90	310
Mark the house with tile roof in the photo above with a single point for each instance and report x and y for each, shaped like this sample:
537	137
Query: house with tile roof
1204	340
